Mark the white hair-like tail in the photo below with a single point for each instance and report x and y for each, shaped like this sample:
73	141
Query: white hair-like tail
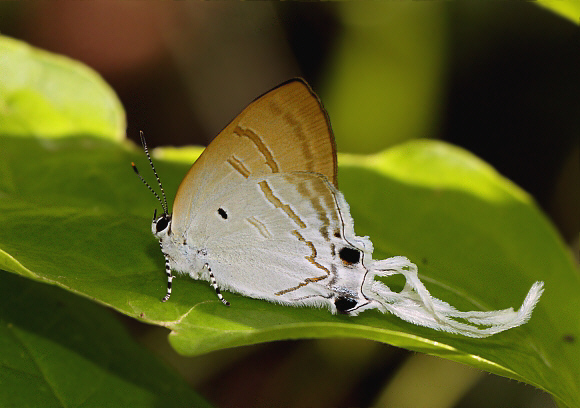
416	305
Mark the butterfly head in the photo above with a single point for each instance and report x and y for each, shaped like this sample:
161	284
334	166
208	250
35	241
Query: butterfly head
161	226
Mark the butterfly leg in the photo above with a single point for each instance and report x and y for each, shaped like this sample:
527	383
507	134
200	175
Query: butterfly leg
215	286
169	279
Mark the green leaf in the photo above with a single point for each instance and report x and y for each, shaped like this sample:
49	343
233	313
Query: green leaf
74	214
57	349
569	9
43	94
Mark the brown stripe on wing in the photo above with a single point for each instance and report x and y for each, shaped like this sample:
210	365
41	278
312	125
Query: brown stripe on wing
304	191
238	166
317	190
262	229
304	140
269	194
257	140
310	258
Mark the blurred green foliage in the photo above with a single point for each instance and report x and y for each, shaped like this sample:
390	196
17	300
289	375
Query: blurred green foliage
383	83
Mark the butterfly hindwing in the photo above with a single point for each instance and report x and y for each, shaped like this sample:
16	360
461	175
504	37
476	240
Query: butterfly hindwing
281	237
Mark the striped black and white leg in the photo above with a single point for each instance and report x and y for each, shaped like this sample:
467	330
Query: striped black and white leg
215	286
169	279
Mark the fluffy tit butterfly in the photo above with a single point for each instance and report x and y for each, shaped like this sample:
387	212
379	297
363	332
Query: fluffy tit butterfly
259	214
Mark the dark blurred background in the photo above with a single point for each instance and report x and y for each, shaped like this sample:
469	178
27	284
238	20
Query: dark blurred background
499	79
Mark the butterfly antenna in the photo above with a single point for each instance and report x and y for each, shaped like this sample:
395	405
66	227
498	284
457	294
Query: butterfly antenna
164	201
147	184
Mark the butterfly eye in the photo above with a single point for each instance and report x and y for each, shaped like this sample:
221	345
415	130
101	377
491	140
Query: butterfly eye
162	223
344	304
349	255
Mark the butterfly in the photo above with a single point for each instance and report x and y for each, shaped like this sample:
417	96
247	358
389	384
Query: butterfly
259	214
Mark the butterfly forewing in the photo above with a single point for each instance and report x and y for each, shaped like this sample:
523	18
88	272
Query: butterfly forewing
285	130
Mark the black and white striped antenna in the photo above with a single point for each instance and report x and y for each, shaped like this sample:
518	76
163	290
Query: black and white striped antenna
164	201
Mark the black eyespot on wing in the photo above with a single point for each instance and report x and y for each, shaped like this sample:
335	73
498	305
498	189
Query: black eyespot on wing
344	304
223	214
337	233
162	223
349	255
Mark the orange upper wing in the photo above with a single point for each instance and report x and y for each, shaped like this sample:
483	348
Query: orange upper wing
284	130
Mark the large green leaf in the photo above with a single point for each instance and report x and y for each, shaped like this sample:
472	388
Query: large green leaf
59	350
74	214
